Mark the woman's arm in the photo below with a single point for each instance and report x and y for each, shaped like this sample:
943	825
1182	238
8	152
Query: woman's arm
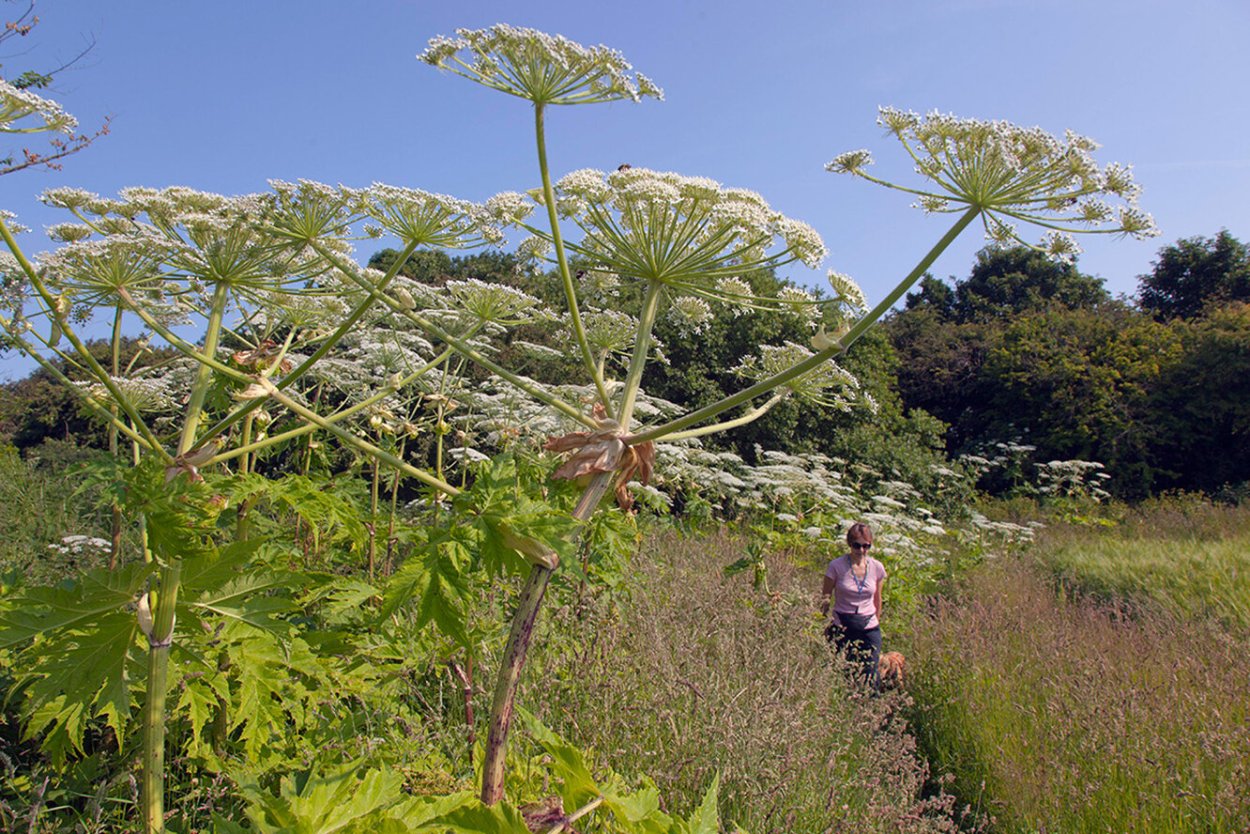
876	598
826	591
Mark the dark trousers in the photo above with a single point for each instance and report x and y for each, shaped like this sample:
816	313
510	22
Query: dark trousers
862	646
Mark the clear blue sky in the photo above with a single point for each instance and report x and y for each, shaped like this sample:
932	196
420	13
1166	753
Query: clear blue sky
222	96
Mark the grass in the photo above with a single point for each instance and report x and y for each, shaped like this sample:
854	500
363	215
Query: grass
1188	557
39	505
1059	714
696	674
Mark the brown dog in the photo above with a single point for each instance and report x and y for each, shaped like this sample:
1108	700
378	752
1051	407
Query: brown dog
893	669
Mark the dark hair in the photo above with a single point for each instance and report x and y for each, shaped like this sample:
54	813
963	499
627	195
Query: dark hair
861	528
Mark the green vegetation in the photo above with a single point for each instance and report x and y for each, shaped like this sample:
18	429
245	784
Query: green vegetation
1055	713
345	527
1189	558
702	675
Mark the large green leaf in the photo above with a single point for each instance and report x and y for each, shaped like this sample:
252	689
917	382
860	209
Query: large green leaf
342	802
706	818
434	579
81	674
71	604
577	785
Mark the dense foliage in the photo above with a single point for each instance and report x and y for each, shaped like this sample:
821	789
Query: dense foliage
1031	352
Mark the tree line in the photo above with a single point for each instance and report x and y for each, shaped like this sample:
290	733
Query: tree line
1025	350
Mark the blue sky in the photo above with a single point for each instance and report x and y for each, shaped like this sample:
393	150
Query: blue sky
223	96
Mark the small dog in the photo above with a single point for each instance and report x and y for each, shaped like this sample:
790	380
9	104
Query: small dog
893	669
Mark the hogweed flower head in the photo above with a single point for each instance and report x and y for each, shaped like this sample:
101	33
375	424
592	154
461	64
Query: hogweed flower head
687	233
1011	174
431	220
493	303
18	105
828	385
538	67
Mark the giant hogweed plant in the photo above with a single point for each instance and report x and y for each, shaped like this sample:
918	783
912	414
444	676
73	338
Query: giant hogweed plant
271	275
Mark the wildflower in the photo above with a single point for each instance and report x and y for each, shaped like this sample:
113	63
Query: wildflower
426	219
687	233
1010	173
307	211
692	315
97	272
828	385
846	290
17	104
542	68
493	303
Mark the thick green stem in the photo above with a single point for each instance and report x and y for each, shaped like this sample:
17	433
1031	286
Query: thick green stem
775	381
566	279
373	517
642	347
204	377
115	510
514	653
749	417
160	638
208	362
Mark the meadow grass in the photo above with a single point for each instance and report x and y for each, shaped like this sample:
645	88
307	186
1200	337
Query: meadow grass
697	674
1186	556
40	503
1057	713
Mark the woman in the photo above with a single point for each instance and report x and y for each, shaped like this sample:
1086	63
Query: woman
854	582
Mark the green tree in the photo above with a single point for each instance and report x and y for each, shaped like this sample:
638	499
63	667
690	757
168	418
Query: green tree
1201	403
1079	384
1009	281
1195	272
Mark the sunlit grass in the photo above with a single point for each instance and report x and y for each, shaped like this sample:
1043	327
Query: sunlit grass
1188	557
1058	714
702	674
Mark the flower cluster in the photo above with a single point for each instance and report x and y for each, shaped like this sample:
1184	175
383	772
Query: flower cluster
1011	173
17	105
829	385
542	68
687	233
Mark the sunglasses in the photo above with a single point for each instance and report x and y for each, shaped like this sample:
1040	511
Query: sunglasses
861	545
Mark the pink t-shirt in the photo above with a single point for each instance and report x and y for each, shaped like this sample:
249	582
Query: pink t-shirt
852	596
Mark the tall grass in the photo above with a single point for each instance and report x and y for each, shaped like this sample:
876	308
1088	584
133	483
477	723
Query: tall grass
39	505
698	674
1187	556
1059	715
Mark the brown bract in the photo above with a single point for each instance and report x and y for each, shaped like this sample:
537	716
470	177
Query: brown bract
546	814
262	357
606	449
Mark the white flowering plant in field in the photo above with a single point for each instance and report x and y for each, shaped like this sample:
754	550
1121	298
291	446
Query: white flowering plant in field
291	337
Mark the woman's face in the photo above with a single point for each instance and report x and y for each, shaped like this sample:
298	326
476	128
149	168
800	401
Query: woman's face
860	543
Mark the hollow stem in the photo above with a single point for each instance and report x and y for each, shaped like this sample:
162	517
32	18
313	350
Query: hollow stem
749	417
566	279
513	664
159	641
204	377
642	346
